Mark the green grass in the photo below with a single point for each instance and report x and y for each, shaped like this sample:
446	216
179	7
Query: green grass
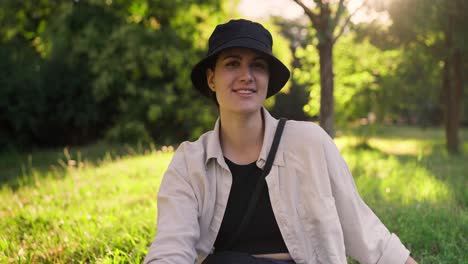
419	191
96	204
67	209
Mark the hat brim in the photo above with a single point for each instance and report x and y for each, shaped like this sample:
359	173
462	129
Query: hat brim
278	72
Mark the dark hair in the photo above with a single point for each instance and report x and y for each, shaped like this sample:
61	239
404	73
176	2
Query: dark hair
211	64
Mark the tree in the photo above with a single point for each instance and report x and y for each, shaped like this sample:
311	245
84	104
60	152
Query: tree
330	25
409	90
439	29
74	71
364	85
291	101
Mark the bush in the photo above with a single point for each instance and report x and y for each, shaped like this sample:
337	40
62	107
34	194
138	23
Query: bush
129	132
74	70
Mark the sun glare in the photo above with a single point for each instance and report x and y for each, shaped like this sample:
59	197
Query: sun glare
262	9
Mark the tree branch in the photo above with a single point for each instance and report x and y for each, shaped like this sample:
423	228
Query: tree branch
348	19
339	12
319	3
313	17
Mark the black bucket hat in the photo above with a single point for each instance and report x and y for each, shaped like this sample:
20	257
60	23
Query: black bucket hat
240	33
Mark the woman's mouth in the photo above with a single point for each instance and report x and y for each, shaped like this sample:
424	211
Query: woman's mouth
244	91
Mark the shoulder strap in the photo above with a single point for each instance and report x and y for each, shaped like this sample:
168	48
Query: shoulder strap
260	184
274	147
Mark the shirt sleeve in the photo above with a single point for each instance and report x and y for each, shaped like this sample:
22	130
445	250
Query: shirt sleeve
367	240
177	225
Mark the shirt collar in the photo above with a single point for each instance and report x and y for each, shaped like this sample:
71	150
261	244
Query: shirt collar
214	146
213	150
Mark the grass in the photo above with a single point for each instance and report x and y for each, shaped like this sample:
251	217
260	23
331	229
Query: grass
75	210
96	204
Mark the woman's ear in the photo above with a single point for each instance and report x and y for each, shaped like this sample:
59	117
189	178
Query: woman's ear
210	79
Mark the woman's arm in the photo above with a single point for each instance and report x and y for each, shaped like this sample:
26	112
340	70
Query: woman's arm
178	228
366	239
410	260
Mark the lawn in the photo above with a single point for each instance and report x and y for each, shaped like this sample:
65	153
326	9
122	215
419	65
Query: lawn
97	204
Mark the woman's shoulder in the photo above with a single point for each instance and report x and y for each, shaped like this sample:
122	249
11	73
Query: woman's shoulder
196	149
304	130
304	138
200	142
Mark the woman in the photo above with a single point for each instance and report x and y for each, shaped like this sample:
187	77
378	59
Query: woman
307	212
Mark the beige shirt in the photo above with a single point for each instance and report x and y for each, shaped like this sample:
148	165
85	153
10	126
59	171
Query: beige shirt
314	199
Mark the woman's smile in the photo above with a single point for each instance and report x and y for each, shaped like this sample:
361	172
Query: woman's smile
245	91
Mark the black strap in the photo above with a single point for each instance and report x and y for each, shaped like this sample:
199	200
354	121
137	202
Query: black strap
260	184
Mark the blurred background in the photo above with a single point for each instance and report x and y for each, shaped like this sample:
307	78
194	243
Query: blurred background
75	72
95	95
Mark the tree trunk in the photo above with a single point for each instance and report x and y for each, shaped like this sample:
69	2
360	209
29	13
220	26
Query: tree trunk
324	23
452	89
453	103
327	104
447	97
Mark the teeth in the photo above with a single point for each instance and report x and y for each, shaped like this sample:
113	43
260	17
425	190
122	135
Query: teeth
244	91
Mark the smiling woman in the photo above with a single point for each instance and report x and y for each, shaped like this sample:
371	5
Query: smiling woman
249	192
239	80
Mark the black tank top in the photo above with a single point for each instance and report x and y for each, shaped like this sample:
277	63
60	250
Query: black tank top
262	235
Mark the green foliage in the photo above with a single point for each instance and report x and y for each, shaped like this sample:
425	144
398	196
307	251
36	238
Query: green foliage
73	72
75	69
413	89
396	84
360	71
417	22
290	101
430	34
131	132
20	96
392	71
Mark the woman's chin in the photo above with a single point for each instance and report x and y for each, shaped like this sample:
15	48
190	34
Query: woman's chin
244	108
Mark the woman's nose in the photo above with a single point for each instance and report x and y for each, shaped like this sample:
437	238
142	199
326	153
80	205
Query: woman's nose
246	74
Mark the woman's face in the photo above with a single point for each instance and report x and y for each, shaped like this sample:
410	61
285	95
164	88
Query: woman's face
240	80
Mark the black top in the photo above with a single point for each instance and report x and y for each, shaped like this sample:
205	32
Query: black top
262	235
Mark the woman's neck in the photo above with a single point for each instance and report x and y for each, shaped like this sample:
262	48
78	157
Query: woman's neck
241	136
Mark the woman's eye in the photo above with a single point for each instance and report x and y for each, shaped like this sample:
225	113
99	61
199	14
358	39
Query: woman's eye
261	65
232	63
